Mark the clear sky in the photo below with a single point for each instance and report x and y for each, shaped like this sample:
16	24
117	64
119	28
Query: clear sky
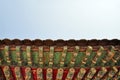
60	19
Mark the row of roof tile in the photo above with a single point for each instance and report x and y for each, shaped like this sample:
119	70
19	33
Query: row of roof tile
60	42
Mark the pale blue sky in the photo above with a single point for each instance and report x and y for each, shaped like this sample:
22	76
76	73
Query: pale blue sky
60	19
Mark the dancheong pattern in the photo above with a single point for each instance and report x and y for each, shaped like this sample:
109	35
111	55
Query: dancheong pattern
59	59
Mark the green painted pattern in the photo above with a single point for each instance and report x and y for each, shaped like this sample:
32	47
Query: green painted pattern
118	62
35	55
46	58
13	57
68	58
24	57
116	57
118	77
110	62
3	57
57	56
89	60
79	58
57	60
84	65
99	61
